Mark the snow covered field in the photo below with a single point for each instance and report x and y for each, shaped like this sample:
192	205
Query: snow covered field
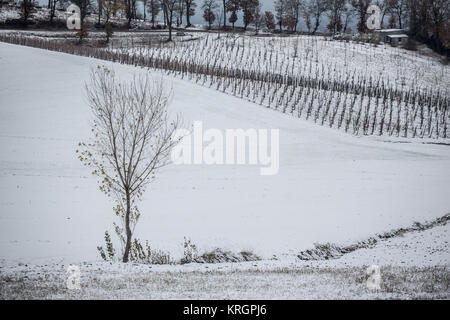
413	267
332	187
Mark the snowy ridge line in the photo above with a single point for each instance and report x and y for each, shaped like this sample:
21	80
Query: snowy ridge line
424	142
358	106
333	251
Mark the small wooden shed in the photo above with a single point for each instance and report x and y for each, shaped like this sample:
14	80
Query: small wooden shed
392	36
396	39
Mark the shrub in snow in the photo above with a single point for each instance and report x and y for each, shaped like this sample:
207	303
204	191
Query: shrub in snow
189	252
218	256
138	253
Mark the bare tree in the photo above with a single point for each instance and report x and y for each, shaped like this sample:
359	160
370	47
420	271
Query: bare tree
170	6
219	15
307	16
154	6
224	12
209	6
399	9
336	8
144	8
257	18
132	140
248	9
360	7
130	11
52	7
99	11
26	9
280	12
180	11
85	6
111	7
294	8
269	20
439	17
289	22
348	14
190	11
419	19
233	6
392	22
317	9
382	4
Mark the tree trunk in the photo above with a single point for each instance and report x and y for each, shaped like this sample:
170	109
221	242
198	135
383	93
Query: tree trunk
52	11
296	21
316	26
362	22
100	11
165	15
224	14
169	18
129	13
188	19
382	19
127	229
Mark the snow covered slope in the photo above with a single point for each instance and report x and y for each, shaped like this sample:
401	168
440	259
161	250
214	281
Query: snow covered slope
332	187
413	267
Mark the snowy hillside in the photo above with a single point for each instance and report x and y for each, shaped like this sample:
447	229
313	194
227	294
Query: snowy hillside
331	187
337	84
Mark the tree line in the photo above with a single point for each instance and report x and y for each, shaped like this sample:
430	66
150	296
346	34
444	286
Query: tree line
426	20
